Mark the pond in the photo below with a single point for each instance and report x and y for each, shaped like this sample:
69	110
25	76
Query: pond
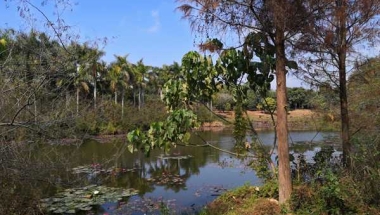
183	181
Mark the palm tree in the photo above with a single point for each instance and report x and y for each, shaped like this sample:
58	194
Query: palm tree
93	66
97	69
120	77
81	82
124	80
88	68
113	77
141	73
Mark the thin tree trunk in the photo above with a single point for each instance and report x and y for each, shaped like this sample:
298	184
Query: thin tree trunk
342	55
284	177
78	90
160	92
122	103
139	98
142	97
67	99
35	108
95	89
115	97
134	98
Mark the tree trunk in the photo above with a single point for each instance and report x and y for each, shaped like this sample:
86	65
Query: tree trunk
139	98
284	177
115	97
35	108
122	103
78	90
160	92
67	99
95	89
134	97
142	97
345	120
342	55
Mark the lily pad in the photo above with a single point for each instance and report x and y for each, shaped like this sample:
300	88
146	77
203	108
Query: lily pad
167	178
73	200
176	157
96	169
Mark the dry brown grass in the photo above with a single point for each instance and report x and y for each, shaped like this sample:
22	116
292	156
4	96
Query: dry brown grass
297	119
260	115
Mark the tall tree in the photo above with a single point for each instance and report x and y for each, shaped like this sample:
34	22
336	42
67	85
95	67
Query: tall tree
88	68
113	76
81	82
97	68
140	72
124	79
280	21
333	40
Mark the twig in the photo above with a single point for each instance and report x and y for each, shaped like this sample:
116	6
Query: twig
50	24
222	150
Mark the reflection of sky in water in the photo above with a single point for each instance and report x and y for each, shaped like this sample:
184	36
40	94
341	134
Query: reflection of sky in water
298	136
227	172
206	175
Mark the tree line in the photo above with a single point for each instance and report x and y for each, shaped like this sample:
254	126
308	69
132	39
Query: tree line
44	81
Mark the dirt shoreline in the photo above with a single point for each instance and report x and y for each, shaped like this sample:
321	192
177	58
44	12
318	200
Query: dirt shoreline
298	120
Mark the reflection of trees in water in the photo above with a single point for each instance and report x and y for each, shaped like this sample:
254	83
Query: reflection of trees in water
133	180
155	167
168	173
114	155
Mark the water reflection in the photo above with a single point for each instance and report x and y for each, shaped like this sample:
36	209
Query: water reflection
184	183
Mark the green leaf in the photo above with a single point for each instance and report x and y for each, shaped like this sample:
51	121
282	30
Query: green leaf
291	64
130	148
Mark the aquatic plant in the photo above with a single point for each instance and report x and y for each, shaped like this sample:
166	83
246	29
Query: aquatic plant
73	200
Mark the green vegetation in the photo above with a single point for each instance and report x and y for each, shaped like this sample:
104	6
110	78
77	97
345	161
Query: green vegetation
322	185
246	200
48	86
82	199
51	90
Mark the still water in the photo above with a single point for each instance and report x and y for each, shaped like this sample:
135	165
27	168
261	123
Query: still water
183	182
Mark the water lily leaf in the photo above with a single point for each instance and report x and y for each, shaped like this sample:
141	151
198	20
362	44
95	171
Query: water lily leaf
59	211
72	211
85	208
76	199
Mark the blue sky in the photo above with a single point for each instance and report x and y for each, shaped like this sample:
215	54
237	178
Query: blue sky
148	29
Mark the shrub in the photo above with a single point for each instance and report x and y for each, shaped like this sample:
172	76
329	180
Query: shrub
221	100
204	115
107	119
265	207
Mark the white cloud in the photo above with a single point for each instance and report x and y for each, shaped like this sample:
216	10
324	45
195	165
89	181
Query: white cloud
157	24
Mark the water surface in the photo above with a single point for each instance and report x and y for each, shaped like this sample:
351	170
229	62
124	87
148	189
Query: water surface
183	185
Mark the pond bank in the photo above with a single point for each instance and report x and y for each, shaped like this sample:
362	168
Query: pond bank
298	120
246	199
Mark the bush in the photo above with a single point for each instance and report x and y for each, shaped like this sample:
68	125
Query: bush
107	119
366	165
204	115
265	207
221	100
